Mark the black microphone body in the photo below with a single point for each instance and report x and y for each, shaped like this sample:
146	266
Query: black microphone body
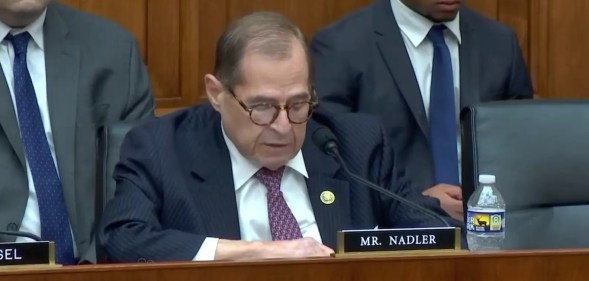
21	234
327	142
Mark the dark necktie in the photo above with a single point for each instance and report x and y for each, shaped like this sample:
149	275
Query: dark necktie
283	224
52	210
442	111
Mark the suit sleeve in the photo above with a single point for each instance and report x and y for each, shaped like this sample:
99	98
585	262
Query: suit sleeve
333	79
520	84
131	228
140	101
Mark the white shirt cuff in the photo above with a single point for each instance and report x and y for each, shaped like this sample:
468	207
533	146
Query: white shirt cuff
207	250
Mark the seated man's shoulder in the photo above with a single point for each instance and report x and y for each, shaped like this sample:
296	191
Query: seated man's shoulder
198	117
353	127
360	140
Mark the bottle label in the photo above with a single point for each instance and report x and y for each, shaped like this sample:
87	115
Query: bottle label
485	221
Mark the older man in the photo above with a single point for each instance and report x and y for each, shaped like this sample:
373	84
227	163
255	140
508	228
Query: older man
240	178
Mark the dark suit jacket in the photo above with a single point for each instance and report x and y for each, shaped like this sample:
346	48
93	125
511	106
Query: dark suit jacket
362	65
94	76
175	186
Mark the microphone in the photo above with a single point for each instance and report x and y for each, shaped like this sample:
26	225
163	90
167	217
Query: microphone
21	234
324	138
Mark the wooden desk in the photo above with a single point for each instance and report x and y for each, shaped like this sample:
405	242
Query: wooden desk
569	265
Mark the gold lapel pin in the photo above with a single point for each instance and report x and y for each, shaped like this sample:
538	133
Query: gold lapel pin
327	197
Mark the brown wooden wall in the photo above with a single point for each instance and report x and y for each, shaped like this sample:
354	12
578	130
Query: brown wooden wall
177	37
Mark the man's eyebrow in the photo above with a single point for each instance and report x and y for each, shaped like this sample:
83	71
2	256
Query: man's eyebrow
261	98
300	96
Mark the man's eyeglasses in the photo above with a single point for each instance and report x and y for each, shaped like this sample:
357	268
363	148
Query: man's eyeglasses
264	114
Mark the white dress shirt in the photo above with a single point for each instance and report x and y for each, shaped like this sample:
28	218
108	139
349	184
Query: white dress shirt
414	29
36	64
31	222
252	206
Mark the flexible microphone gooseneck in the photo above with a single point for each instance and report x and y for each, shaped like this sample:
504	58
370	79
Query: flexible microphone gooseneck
324	138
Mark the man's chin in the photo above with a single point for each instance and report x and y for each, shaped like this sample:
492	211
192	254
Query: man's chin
274	163
443	16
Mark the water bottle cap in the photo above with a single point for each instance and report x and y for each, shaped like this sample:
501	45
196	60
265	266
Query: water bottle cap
488	179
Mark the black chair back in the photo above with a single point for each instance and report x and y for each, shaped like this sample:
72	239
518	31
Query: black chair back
539	152
110	139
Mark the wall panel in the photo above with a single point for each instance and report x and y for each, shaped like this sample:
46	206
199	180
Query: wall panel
177	37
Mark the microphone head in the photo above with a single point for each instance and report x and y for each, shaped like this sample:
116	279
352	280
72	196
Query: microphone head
324	138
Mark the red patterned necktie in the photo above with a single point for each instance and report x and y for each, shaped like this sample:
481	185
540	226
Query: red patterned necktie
283	224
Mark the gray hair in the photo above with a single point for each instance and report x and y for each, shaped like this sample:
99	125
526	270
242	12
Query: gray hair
266	33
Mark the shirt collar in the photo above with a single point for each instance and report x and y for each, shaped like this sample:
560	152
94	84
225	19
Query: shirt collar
35	29
416	27
243	169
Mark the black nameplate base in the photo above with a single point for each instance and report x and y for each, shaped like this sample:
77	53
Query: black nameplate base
403	239
27	253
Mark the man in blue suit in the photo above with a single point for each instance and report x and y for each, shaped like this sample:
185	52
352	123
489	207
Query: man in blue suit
240	178
415	64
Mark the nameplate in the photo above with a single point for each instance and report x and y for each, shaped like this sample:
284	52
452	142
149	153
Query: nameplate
27	253
405	239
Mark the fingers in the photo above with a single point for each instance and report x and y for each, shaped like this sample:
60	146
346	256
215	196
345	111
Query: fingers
326	251
430	191
317	249
442	191
454	209
454	192
457	215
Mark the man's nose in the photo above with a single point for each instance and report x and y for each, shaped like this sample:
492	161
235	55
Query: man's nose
282	123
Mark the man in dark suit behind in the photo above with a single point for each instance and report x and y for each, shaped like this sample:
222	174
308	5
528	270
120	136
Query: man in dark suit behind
240	178
64	73
385	60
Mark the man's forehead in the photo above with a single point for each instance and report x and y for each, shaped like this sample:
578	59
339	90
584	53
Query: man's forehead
276	95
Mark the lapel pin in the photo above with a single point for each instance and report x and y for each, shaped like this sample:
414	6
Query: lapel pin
327	197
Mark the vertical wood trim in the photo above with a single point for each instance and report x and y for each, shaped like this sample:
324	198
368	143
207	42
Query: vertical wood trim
163	29
190	47
539	47
212	20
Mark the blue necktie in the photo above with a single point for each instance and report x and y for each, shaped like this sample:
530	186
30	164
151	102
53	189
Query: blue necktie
52	210
442	111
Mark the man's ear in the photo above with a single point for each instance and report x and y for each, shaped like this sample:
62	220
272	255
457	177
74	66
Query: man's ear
214	89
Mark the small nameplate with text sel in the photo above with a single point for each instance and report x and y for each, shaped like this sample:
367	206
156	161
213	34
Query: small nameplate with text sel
398	240
27	253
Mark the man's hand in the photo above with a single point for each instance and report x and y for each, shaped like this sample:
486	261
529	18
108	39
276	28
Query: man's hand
299	248
450	197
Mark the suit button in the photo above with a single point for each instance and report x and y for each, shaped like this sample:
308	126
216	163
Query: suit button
12	227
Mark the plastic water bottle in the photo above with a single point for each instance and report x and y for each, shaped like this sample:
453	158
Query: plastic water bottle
485	219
